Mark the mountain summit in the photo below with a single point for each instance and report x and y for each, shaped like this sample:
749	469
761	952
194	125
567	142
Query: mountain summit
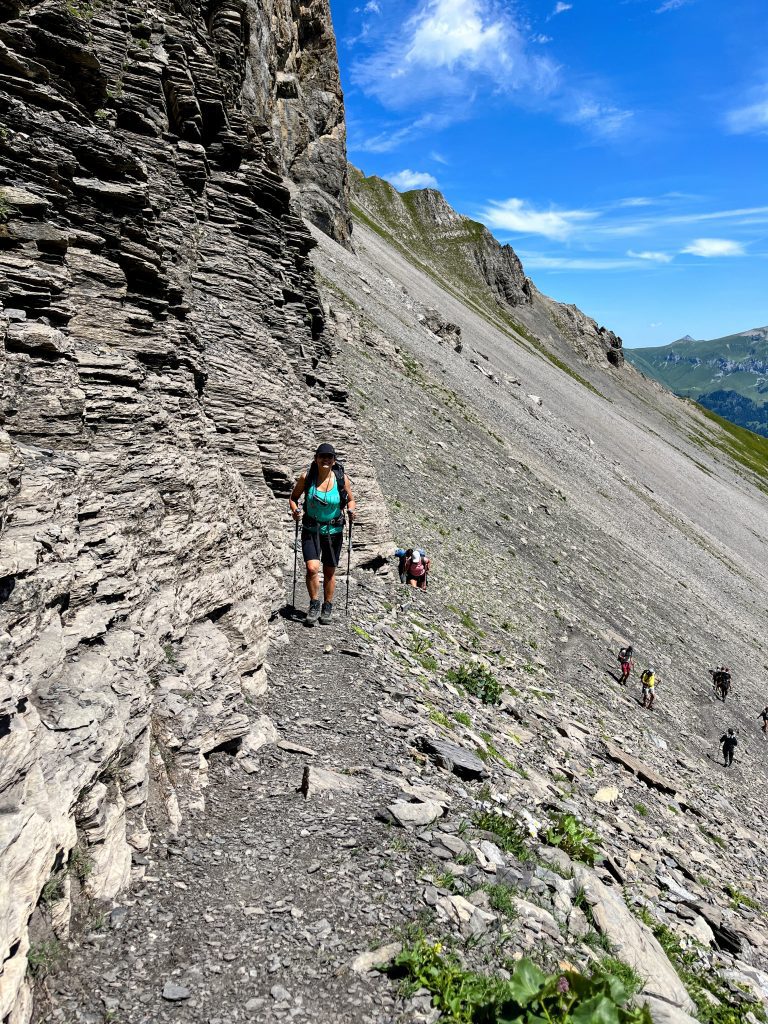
463	256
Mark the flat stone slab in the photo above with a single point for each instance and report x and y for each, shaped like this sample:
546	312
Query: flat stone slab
456	759
641	770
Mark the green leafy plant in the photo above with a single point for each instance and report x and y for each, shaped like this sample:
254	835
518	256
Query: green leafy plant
477	680
462	718
529	996
641	809
574	838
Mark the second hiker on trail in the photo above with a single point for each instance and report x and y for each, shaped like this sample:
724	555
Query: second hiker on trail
648	679
413	567
327	494
626	663
728	742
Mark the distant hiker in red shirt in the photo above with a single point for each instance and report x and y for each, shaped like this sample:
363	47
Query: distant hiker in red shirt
626	663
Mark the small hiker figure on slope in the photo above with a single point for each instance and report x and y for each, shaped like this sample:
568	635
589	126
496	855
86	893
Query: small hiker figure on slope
626	663
729	743
648	679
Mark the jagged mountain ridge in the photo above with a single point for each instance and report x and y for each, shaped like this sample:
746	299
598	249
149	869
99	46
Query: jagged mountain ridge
728	375
467	260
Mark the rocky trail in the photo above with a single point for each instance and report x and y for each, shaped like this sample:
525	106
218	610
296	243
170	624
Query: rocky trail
267	905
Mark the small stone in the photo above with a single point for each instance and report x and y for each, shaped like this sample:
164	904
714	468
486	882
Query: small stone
175	993
280	994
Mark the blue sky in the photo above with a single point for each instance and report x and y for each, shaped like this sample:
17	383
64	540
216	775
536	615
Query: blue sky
620	146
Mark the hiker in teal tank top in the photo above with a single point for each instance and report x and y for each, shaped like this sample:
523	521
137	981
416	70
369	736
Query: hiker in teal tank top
327	494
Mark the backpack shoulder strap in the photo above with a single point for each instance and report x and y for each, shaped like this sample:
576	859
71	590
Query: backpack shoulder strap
310	477
340	474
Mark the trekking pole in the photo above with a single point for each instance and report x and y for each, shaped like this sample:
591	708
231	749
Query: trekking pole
349	559
295	559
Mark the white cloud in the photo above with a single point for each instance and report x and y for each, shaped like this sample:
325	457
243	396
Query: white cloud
541	38
656	324
519	217
438	157
651	256
454	48
561	8
372	7
749	119
708	247
408	179
603	119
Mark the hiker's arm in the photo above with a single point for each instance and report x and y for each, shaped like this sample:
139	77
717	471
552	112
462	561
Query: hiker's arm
351	503
296	493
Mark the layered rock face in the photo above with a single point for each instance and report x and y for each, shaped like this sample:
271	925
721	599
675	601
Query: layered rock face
165	373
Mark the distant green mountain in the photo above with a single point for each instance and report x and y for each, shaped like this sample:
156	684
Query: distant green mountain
728	375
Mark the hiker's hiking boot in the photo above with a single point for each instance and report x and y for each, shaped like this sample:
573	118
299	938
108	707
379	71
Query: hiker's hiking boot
313	614
326	613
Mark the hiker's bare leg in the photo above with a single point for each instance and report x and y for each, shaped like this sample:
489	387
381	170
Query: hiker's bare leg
412	583
313	579
329	582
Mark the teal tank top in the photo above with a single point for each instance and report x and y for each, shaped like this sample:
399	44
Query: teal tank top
324	507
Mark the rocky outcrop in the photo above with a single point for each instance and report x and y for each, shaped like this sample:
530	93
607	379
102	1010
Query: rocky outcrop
165	372
293	81
466	259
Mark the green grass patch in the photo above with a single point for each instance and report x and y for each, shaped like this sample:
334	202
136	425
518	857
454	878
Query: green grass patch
699	980
510	835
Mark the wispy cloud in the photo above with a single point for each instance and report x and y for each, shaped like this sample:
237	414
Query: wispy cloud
438	157
709	247
539	261
407	179
520	217
542	39
372	7
389	138
643	225
752	118
561	8
651	256
604	119
671	5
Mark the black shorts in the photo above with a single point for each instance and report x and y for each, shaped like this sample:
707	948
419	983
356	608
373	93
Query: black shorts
324	547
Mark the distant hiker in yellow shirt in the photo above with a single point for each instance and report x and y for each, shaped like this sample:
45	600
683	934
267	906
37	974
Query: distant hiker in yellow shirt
648	679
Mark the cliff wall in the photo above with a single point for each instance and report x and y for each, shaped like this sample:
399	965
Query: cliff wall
165	372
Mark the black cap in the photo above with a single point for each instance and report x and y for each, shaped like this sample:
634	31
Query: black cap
326	449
